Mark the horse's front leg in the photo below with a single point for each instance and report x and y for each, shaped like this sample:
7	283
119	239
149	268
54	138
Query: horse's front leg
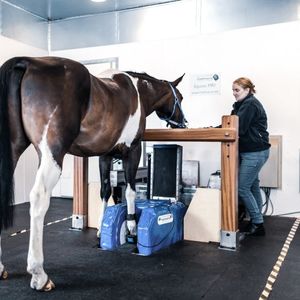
105	190
131	163
47	176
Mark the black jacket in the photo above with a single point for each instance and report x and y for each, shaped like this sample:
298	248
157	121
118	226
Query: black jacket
253	134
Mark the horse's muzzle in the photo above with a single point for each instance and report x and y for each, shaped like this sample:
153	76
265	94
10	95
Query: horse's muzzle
174	124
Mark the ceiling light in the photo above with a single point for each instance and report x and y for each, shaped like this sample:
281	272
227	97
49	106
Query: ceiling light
98	0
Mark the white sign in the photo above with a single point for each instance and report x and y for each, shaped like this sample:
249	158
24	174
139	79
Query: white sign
205	84
165	219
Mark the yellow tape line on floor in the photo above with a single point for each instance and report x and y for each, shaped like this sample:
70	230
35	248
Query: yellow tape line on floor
48	224
274	273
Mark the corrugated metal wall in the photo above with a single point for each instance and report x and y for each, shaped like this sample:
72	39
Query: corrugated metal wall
23	26
170	20
156	22
220	15
0	17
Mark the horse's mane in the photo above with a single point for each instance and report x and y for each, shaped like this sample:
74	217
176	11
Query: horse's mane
143	75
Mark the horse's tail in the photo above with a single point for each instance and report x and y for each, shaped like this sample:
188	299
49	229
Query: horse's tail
6	160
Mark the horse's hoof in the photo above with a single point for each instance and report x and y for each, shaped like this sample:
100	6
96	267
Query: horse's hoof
4	275
131	225
131	239
48	286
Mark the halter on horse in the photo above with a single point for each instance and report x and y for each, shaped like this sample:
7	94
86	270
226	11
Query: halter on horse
56	105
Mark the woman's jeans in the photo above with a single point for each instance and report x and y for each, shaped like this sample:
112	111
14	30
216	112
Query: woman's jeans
249	190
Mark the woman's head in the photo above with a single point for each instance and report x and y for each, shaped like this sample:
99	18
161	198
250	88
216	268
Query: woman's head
242	87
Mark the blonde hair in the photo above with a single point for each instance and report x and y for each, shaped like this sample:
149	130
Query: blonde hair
245	82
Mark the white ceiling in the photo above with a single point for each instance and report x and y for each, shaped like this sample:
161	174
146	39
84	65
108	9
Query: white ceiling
62	9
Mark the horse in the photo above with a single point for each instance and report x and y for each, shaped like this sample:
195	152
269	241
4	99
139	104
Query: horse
59	107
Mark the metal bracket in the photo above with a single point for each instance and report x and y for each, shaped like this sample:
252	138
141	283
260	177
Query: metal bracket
79	222
229	240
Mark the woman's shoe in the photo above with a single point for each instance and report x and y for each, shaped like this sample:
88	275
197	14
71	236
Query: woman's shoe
256	230
245	226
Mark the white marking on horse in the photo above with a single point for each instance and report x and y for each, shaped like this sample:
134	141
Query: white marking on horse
46	178
130	198
132	126
1	265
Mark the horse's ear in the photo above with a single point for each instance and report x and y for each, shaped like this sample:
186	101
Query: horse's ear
175	82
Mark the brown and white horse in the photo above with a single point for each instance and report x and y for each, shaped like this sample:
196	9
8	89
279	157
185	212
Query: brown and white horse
55	104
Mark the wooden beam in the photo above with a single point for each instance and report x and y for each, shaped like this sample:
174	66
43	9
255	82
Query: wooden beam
192	134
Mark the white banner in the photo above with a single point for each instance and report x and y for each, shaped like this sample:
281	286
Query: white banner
206	84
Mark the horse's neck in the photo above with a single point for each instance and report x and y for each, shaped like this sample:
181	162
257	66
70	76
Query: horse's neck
148	106
154	103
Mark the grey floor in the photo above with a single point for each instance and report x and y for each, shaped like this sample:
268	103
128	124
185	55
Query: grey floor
186	270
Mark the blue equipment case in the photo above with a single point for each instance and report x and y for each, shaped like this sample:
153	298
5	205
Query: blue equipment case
159	227
114	229
112	226
159	224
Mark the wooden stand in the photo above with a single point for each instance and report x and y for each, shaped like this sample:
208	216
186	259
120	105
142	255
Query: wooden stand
228	136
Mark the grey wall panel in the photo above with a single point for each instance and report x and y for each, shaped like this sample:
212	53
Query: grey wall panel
157	22
220	15
175	19
0	17
24	27
172	19
84	32
39	8
62	9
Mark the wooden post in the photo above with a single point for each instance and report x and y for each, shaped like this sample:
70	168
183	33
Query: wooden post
229	184
80	191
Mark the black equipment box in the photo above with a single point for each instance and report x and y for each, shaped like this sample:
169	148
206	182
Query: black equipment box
166	172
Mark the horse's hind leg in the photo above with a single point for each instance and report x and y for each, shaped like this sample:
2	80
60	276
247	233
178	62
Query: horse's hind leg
17	149
105	192
3	273
46	178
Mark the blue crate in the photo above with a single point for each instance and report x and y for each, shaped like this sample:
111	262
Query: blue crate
113	227
159	227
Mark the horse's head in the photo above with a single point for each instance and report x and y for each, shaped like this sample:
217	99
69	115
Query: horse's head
171	110
162	97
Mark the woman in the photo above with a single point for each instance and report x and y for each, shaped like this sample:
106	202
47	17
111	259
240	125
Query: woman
253	150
